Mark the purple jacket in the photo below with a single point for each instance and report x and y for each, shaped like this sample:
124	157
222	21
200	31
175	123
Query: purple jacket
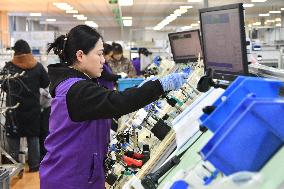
74	161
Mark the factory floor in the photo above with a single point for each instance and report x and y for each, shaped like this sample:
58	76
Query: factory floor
29	181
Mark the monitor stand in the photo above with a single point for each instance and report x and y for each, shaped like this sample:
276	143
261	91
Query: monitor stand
206	82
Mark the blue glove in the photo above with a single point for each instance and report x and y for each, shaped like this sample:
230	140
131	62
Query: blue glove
148	79
173	81
157	60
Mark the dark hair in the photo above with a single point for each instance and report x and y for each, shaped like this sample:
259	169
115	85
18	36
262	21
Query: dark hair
144	51
117	48
81	37
107	48
21	47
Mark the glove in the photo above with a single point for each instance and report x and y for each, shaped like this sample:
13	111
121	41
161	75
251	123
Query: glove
151	78
123	75
173	81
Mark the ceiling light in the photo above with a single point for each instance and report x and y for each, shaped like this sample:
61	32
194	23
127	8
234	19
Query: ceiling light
91	24
249	25
78	15
282	9
247	5
63	6
71	11
264	14
185	7
125	2
127	18
198	22
35	14
180	11
278	19
258	1
50	20
194	25
278	25
127	23
194	1
270	21
81	17
186	28
256	24
275	12
156	28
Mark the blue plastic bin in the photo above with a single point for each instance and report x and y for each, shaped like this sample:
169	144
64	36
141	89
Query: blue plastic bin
249	138
235	93
128	83
4	179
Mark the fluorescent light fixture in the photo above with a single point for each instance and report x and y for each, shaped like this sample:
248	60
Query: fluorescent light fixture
71	11
186	27
63	6
35	14
50	20
248	5
257	24
282	9
278	19
127	18
274	12
91	24
270	21
194	1
258	1
127	23
185	7
180	11
194	25
278	25
156	28
198	22
264	14
78	15
125	2
249	25
81	17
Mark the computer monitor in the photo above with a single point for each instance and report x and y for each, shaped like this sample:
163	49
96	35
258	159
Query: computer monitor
185	46
224	41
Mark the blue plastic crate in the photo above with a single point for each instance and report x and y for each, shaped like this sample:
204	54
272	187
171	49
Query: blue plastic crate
4	179
128	83
249	138
235	93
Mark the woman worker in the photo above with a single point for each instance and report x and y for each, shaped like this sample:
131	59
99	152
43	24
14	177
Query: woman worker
78	140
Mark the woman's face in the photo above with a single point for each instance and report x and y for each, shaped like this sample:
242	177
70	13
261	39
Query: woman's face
92	63
108	56
117	56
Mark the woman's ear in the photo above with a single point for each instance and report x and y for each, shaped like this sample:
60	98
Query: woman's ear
79	55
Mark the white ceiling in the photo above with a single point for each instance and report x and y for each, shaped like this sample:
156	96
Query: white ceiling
145	13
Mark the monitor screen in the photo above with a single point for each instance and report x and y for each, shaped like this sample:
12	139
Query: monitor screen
185	46
224	42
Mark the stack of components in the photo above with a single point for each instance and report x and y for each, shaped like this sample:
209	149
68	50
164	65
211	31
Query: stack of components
146	129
